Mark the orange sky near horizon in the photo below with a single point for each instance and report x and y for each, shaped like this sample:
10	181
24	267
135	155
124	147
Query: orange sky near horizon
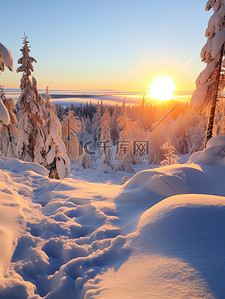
136	80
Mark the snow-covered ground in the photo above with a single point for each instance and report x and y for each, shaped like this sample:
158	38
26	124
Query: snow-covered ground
159	235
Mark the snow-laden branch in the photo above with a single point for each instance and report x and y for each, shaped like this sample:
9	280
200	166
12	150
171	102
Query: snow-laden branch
6	59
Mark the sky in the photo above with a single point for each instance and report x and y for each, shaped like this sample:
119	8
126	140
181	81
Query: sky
104	44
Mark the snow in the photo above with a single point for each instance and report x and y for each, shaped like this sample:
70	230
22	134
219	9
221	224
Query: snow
215	4
171	252
218	41
205	75
159	235
211	52
104	168
4	115
51	154
199	95
214	154
5	58
216	141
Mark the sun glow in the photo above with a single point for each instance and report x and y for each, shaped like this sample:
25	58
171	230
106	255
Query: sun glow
162	88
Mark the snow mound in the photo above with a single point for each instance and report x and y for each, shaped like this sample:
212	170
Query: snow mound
104	168
190	228
215	141
214	154
181	219
18	166
177	251
162	181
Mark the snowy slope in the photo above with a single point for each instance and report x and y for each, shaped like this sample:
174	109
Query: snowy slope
160	235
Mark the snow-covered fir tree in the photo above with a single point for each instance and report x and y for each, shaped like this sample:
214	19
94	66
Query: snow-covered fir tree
114	126
88	125
106	143
84	160
30	141
8	132
56	158
210	54
60	111
187	133
169	152
6	60
71	126
124	164
97	125
123	154
4	114
82	132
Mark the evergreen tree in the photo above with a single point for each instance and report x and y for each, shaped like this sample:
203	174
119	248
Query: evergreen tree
84	160
82	132
97	125
60	111
106	143
6	60
88	125
169	152
114	126
56	158
8	132
30	142
71	126
211	80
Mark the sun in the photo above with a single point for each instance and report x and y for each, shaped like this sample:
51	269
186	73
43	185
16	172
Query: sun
162	88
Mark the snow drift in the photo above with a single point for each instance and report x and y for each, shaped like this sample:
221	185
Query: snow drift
214	154
177	250
161	234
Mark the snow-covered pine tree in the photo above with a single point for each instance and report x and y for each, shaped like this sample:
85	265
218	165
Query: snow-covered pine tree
71	126
88	125
82	132
106	142
56	158
4	114
84	160
6	60
30	140
208	84
123	153
8	132
97	125
123	109
142	106
169	152
114	126
60	111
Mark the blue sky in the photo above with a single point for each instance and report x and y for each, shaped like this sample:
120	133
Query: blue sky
94	44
